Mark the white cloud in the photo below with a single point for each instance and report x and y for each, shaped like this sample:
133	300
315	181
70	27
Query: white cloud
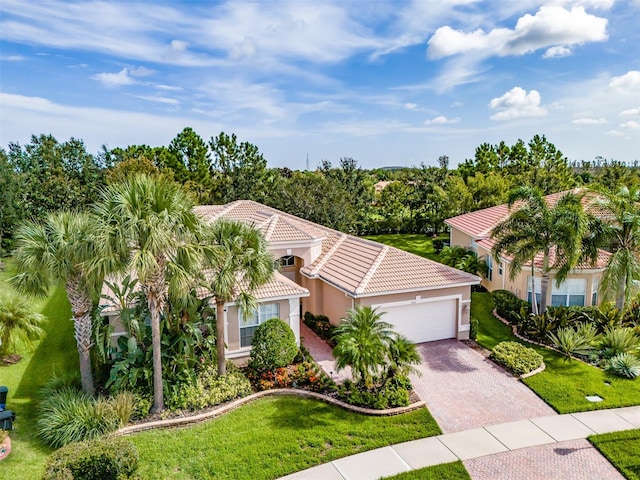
615	133
517	103
441	120
156	99
410	106
557	52
626	83
631	112
631	125
115	79
171	88
12	58
551	26
141	72
589	121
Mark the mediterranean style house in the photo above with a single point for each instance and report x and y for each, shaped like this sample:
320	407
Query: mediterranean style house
327	272
473	231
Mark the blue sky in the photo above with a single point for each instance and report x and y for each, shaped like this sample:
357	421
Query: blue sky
385	82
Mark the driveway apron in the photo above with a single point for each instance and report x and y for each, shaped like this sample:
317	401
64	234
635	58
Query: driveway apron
464	390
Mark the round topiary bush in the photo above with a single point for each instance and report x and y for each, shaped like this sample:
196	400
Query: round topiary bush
516	357
93	460
273	346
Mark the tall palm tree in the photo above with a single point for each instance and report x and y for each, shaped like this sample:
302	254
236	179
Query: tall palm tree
620	215
148	228
362	342
240	263
535	227
56	252
18	324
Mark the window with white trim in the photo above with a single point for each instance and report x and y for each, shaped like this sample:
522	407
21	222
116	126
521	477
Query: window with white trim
594	291
488	260
571	292
537	286
500	267
249	324
288	261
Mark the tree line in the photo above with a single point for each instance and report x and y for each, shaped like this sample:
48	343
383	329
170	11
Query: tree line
47	175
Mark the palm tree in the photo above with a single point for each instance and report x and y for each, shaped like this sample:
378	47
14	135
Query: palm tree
240	263
621	221
148	228
402	355
362	342
534	227
56	252
18	324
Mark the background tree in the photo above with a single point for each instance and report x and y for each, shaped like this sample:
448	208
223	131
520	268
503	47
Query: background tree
18	325
240	263
56	252
147	226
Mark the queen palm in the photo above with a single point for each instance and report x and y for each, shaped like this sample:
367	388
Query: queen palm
55	252
148	228
556	232
240	263
362	342
621	220
18	325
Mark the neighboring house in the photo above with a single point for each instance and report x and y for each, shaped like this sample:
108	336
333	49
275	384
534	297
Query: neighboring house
327	272
472	230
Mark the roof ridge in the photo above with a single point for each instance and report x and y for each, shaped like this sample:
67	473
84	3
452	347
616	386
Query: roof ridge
272	222
332	250
227	208
372	270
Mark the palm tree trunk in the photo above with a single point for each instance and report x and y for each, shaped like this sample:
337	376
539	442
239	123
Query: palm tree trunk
544	282
534	300
622	286
81	305
222	366
155	290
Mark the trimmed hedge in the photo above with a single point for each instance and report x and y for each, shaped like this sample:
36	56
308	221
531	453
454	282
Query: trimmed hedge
273	346
516	357
321	325
509	306
109	458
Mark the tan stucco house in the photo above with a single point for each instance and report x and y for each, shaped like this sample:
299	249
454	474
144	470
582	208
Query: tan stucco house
327	272
472	230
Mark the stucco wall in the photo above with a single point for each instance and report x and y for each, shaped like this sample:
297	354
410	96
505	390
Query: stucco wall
233	323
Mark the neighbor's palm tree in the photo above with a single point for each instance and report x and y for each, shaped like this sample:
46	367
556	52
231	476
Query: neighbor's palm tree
240	263
18	325
148	228
621	220
535	227
56	252
362	342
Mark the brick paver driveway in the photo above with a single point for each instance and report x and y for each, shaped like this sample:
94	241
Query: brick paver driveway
464	390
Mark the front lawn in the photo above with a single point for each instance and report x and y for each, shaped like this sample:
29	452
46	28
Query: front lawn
622	449
446	471
565	382
415	243
270	438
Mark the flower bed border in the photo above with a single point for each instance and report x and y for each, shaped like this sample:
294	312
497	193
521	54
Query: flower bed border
201	417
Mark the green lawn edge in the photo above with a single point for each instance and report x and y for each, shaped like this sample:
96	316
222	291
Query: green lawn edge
622	449
445	471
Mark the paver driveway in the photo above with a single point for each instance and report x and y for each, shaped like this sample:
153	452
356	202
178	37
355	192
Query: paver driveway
464	390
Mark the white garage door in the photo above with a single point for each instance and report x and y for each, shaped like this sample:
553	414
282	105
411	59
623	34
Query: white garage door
423	322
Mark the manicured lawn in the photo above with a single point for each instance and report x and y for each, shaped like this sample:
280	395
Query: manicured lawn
565	382
622	449
446	471
271	438
25	378
411	242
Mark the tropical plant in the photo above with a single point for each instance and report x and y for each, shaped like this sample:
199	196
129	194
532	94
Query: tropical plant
148	228
573	341
273	346
556	232
621	221
617	340
624	365
239	263
56	252
362	342
605	316
401	358
18	325
516	357
463	259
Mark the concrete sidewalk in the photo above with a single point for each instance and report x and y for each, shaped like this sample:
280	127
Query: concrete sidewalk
480	442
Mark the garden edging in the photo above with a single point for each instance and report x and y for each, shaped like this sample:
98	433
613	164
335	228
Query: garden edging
183	421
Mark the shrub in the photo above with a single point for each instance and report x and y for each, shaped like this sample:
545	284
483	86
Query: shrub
273	346
68	415
516	357
321	326
473	328
109	458
210	389
509	306
624	365
394	393
574	342
617	340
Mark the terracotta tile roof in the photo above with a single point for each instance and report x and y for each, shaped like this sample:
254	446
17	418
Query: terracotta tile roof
354	265
278	287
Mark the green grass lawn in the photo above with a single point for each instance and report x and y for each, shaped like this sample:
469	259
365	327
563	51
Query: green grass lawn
446	471
622	449
565	382
271	438
417	244
24	379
